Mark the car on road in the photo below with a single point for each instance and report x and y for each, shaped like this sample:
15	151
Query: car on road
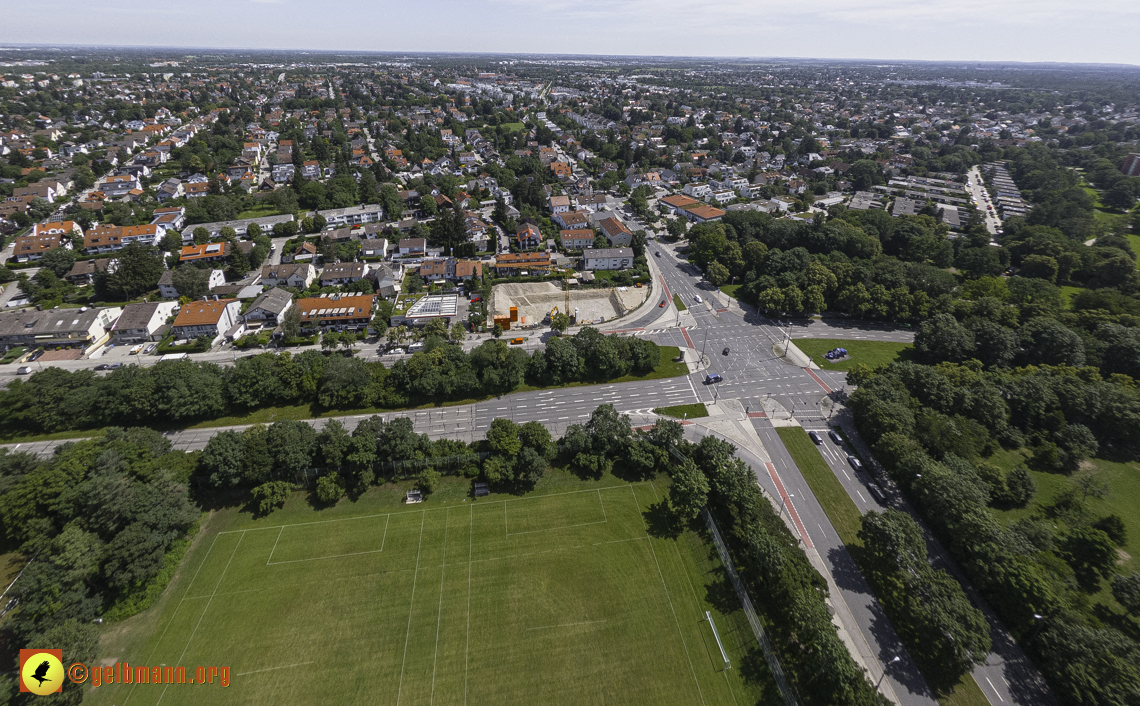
657	253
517	341
815	437
877	492
150	348
114	366
713	378
103	366
697	298
135	350
23	370
835	437
396	351
855	462
725	351
662	303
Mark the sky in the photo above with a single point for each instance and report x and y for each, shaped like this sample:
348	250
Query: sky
1079	31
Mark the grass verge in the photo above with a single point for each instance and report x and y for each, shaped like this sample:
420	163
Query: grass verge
678	303
731	290
870	353
682	411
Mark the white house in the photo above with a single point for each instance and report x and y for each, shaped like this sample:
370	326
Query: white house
607	258
206	317
141	322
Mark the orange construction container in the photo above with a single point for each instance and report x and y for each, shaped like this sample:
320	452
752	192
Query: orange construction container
514	313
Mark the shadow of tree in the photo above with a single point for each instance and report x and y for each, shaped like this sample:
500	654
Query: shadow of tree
661	522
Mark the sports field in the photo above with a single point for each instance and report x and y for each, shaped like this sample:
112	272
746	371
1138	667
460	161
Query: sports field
559	598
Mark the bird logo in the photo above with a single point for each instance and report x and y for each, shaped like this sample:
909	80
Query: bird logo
40	674
41	671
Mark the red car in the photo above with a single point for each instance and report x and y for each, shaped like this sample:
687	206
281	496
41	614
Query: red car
662	303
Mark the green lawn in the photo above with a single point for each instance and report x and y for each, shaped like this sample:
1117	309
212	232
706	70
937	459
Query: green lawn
13	355
731	289
259	212
678	303
558	596
684	411
512	127
846	519
871	353
1068	292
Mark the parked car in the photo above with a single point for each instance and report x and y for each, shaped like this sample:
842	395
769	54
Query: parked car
35	356
815	437
396	351
713	378
103	366
23	370
835	436
135	350
150	348
855	463
114	366
877	492
517	341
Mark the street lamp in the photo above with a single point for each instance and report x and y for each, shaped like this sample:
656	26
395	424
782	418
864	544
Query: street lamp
1040	624
884	674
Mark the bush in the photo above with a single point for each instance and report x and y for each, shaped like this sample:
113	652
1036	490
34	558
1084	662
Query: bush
428	481
330	488
272	495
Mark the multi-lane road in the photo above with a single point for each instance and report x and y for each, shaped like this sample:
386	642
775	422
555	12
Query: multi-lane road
758	384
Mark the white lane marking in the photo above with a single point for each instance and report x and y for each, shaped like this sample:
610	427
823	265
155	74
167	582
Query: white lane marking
995	689
861	496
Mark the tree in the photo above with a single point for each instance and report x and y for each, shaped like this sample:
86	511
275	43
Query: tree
1045	341
1126	591
271	495
58	260
428	481
1091	553
191	282
503	438
330	488
291	324
140	268
533	435
223	459
497	330
560	322
690	490
943	338
291	444
201	235
1122	194
717	274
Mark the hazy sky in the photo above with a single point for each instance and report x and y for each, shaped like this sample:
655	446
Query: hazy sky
1098	31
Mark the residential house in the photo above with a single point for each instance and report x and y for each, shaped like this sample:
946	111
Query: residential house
206	252
616	232
120	185
170	218
167	290
336	312
413	246
206	317
468	269
374	247
388	278
559	204
305	252
43	238
268	310
522	263
353	215
578	239
675	203
57	328
311	169
607	258
697	190
528	236
83	271
106	238
142	322
562	170
704	213
343	273
196	190
297	275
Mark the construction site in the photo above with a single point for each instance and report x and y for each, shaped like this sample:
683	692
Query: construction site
529	305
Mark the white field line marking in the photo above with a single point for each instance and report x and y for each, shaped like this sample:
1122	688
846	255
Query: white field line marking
383	540
661	575
411	605
439	611
275	587
270	559
203	616
467	648
271	669
603	521
176	608
567	625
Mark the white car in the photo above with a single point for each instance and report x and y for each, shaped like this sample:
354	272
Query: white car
697	298
396	351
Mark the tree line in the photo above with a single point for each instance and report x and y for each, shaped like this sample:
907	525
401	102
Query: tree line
103	524
181	392
933	429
